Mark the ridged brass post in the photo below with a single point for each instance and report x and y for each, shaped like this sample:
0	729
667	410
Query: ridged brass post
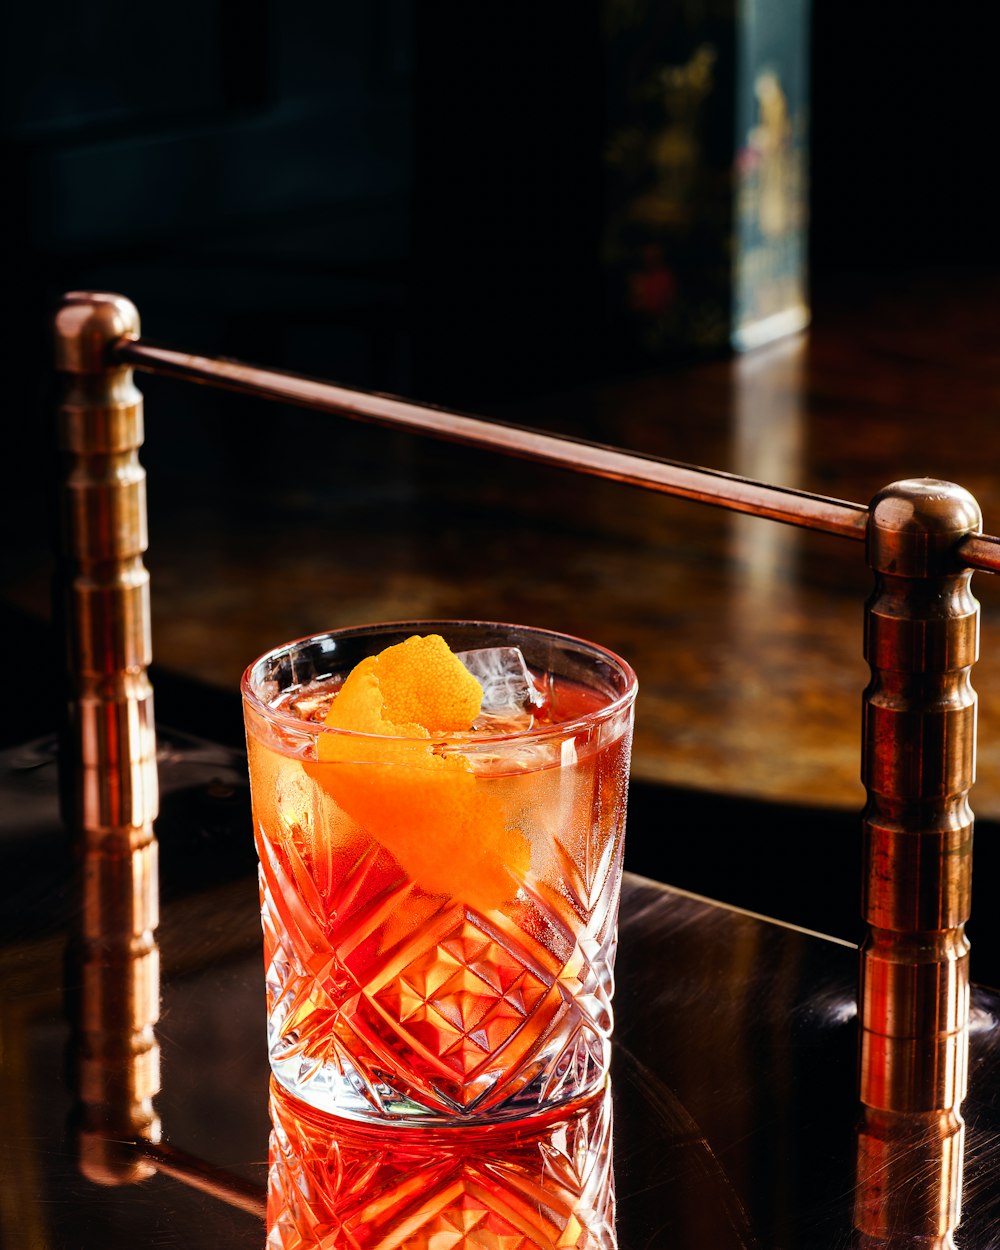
919	744
110	785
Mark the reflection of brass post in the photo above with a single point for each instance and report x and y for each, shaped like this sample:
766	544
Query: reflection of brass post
922	629
111	786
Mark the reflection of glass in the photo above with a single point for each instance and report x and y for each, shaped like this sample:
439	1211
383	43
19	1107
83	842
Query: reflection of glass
440	914
536	1183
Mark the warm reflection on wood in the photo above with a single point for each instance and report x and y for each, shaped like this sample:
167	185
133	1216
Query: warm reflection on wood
909	1179
537	1183
919	764
235	1191
110	782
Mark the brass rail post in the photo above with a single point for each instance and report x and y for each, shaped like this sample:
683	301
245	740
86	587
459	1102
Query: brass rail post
919	743
112	801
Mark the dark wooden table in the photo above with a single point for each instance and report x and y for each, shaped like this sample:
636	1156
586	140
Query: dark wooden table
733	1083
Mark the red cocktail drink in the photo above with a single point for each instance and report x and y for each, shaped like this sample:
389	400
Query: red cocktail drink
439	907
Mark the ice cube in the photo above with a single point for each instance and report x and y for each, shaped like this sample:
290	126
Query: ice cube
506	680
507	720
512	760
311	702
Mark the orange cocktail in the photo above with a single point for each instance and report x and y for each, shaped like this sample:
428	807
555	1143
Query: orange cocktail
439	871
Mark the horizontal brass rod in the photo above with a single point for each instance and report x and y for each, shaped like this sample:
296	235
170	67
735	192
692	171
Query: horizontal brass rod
839	517
710	486
980	551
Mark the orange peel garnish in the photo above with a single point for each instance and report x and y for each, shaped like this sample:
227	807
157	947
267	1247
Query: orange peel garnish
421	682
445	826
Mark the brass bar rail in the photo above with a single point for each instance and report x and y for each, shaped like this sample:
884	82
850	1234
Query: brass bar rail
918	738
918	766
670	477
804	509
110	787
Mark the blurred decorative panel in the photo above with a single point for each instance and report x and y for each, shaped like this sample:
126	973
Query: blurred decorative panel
706	155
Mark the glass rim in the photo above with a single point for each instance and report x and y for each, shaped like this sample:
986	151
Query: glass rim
464	738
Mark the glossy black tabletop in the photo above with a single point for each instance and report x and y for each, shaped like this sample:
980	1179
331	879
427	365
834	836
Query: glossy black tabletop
734	1096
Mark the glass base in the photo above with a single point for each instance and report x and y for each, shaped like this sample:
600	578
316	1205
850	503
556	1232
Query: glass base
341	1091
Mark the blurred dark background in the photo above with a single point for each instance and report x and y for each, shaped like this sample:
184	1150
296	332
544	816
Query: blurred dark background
403	197
412	196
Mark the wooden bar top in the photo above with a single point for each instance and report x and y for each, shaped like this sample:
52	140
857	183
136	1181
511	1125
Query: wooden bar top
733	1077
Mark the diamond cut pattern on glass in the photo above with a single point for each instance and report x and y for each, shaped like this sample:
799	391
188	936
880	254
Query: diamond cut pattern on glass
386	1001
463	998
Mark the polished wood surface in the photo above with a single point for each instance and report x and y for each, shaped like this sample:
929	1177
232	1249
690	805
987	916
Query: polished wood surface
736	1118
